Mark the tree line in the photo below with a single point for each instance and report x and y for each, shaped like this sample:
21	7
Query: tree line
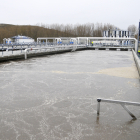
57	30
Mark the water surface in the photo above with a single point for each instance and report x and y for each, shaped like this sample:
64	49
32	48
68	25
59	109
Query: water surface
54	97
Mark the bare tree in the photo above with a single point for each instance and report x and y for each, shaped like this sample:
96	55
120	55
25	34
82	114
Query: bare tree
133	29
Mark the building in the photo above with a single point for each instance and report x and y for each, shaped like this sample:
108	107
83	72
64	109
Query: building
18	40
119	34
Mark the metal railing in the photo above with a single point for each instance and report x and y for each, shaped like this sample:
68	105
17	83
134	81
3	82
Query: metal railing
110	45
10	49
56	48
122	103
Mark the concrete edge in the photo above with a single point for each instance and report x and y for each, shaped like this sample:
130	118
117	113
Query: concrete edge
22	56
137	61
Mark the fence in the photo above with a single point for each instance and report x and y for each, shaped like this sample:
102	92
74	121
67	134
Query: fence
10	49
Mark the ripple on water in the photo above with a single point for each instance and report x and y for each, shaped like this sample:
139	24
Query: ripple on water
56	120
23	104
63	104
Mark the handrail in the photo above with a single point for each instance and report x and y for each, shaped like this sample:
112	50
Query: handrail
122	103
137	61
72	47
109	38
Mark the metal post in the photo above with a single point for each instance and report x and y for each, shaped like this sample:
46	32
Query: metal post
136	45
2	49
87	41
21	48
138	38
12	49
25	53
78	41
98	106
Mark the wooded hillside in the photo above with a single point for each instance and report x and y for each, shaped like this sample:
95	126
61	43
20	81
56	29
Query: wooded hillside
31	31
54	30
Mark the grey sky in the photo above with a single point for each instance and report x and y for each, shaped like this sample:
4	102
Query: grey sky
120	13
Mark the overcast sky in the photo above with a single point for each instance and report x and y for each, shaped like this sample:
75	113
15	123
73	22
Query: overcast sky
120	13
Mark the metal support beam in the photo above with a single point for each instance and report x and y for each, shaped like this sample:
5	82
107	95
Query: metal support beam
122	103
128	111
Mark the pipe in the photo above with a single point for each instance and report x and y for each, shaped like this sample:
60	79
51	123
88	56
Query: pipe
110	38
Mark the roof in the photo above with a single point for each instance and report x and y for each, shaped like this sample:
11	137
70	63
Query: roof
21	37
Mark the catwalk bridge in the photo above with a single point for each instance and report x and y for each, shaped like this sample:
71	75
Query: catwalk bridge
60	45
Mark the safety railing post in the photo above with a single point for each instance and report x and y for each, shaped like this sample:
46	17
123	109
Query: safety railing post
2	49
12	49
20	47
25	53
98	106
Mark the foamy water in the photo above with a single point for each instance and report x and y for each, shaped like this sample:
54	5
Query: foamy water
54	97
